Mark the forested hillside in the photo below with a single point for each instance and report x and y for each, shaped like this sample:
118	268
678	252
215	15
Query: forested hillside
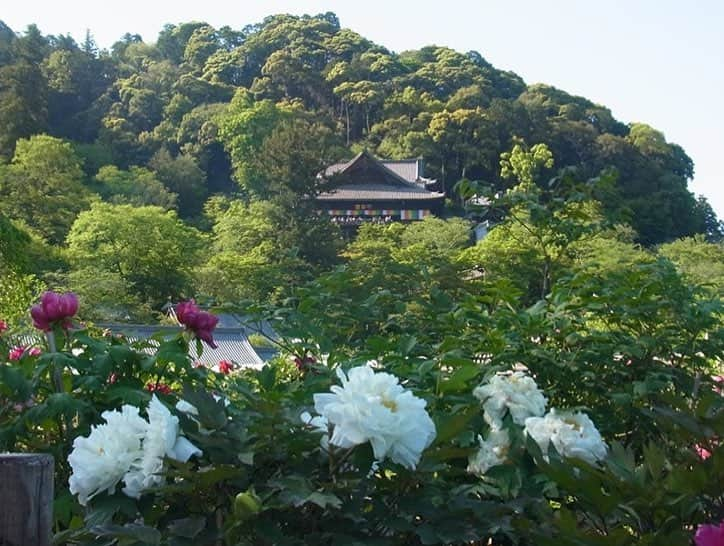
208	133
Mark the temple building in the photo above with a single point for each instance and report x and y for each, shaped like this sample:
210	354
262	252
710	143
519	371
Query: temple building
374	190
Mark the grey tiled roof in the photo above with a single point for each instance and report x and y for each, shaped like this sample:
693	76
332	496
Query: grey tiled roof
233	345
406	168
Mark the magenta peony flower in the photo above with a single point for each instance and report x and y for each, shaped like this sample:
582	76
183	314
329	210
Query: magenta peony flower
201	323
710	535
54	308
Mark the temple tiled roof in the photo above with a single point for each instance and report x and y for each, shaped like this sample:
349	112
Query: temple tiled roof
371	179
233	345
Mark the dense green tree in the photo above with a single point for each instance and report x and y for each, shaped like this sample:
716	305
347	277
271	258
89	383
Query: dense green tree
700	262
182	176
150	250
137	186
545	225
23	89
242	129
246	258
43	186
18	287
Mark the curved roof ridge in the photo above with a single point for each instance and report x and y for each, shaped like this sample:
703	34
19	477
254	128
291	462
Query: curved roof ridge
365	154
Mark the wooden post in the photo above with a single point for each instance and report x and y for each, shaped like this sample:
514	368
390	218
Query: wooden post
26	499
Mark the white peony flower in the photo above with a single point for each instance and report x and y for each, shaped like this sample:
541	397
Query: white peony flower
185	407
572	434
373	407
515	393
318	424
493	451
161	440
101	460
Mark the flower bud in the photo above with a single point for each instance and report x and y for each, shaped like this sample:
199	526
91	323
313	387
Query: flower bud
54	308
246	505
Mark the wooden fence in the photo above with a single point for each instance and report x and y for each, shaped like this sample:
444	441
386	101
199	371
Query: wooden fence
26	499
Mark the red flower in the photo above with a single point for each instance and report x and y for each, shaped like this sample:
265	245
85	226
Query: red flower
159	387
17	352
225	366
3	326
201	323
710	535
53	308
702	452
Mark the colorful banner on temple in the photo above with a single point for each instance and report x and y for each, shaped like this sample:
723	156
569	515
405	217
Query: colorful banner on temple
401	214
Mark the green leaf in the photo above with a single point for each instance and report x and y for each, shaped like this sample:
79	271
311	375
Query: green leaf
187	527
13	384
134	531
450	426
323	500
460	379
212	414
406	344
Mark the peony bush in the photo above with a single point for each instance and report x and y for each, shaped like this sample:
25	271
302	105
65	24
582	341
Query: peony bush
457	423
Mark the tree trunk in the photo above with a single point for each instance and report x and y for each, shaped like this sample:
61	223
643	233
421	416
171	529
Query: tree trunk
26	499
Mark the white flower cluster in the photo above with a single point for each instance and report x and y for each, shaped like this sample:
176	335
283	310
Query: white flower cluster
572	434
516	394
373	407
128	448
492	452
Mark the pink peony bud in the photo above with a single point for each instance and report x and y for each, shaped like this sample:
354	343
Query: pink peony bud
710	535
53	308
40	319
3	326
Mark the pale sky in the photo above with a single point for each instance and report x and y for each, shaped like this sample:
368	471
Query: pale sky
659	62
